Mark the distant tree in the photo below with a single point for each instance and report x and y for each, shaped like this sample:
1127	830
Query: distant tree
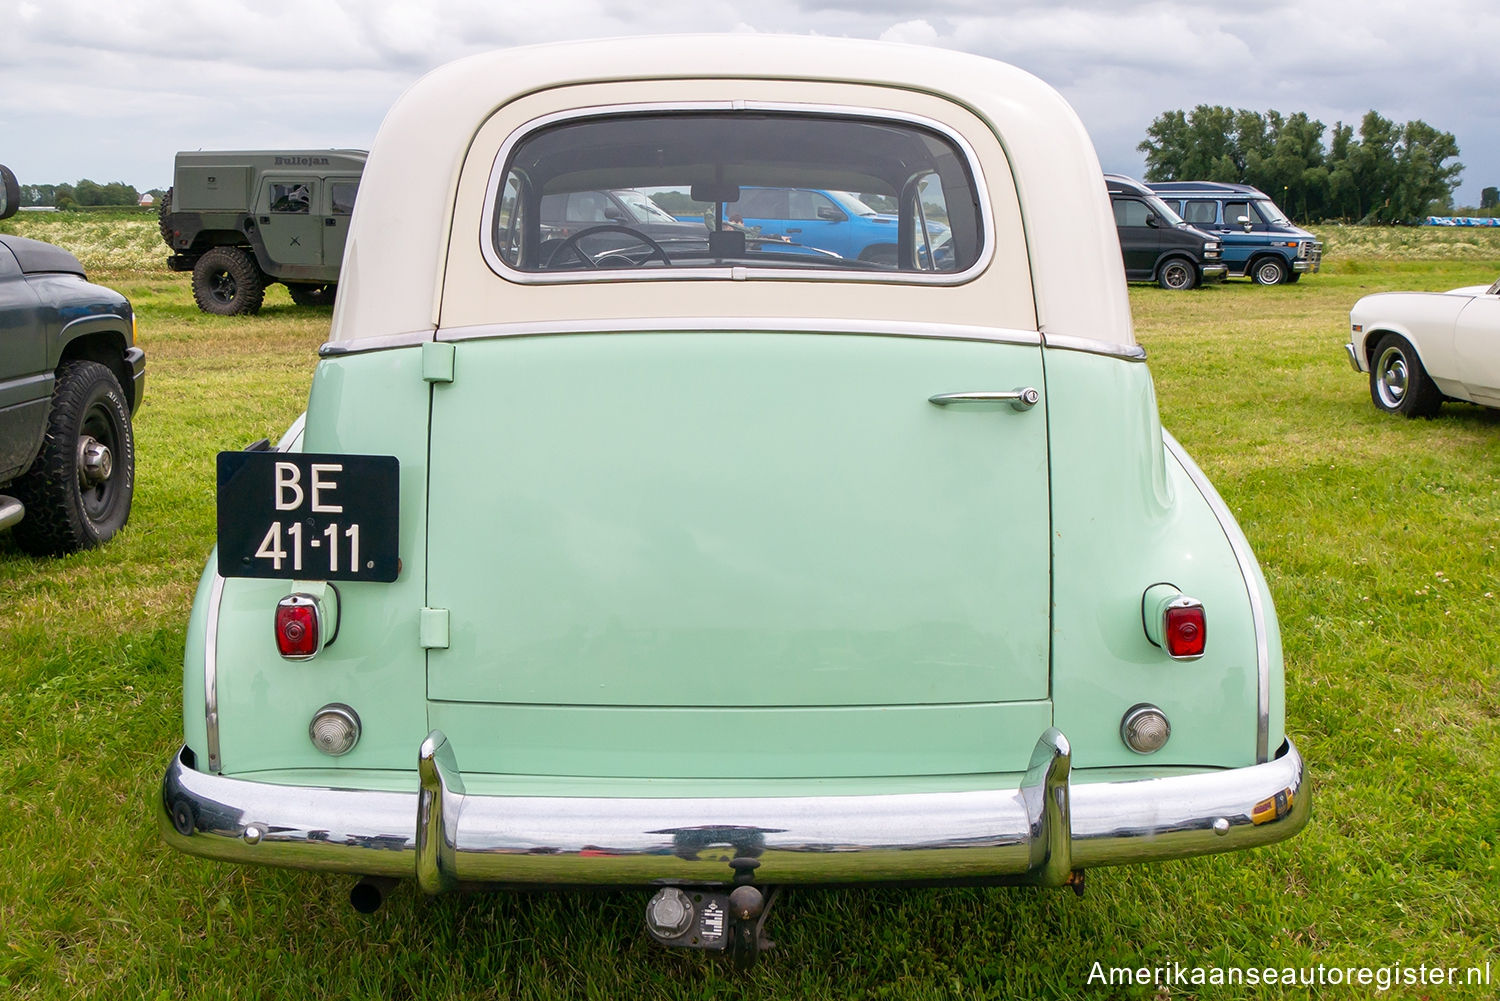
1489	198
1389	173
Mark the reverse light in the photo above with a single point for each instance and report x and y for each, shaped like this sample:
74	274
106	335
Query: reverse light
306	622
1145	728
1175	622
334	729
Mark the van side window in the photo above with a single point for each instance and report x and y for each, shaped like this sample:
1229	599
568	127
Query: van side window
1129	212
1233	211
1201	212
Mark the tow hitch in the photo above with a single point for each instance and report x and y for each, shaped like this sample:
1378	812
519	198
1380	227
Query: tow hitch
692	918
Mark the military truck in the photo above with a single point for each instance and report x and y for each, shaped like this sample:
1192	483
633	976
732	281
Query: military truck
243	220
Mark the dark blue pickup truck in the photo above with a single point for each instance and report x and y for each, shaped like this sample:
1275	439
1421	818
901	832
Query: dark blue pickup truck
71	376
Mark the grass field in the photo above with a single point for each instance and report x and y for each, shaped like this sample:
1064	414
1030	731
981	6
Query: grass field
1378	536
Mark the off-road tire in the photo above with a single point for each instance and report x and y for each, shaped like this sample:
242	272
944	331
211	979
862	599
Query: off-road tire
312	295
226	282
164	218
65	511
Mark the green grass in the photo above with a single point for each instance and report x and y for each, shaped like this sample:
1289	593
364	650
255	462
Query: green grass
1377	535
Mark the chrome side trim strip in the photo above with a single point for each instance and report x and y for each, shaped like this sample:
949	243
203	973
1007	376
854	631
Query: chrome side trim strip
502	159
748	324
1067	342
1040	832
331	349
1247	566
709	324
211	673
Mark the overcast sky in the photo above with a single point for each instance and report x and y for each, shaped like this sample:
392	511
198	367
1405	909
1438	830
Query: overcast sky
110	89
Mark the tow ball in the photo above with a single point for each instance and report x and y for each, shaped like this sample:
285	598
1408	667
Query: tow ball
693	918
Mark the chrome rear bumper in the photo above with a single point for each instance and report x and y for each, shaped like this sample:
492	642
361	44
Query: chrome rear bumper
1038	833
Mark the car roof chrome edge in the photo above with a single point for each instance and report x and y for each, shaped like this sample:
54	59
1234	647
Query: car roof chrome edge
758	324
211	674
332	349
1246	562
1067	342
502	159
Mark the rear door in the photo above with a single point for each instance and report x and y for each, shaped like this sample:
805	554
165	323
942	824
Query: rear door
738	519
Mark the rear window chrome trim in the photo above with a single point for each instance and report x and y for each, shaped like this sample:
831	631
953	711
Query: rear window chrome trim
734	273
743	324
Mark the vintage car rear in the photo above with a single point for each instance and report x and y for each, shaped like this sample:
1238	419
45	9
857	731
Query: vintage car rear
729	560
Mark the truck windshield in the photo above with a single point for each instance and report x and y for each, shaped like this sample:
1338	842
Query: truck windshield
738	188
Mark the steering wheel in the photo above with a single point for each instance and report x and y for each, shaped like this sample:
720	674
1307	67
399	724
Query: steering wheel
570	245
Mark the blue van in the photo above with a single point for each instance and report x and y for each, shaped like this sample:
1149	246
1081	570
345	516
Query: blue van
1260	242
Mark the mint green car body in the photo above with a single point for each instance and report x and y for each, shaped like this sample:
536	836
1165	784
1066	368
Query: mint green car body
687	570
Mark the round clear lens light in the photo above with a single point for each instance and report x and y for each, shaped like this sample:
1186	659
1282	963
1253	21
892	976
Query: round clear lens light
334	729
1145	728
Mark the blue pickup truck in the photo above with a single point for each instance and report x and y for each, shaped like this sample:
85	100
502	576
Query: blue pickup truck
839	222
1260	242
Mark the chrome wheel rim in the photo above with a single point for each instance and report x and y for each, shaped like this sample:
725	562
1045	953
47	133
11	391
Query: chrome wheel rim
1175	275
1391	378
1268	273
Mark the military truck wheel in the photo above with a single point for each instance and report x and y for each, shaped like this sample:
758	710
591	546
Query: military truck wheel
77	493
227	282
163	217
312	295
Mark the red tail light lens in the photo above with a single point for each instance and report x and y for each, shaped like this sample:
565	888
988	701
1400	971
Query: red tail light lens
299	626
1186	630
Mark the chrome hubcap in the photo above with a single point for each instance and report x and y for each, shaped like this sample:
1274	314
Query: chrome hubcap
95	462
1392	380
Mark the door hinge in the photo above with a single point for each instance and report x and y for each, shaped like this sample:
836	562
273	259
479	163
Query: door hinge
434	629
437	361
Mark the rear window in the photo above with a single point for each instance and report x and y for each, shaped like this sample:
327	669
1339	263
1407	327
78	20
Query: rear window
661	193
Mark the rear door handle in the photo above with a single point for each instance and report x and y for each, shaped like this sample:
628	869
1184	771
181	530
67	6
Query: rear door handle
1020	399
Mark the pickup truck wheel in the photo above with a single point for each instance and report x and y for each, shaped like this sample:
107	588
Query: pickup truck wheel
1269	271
1398	382
312	295
77	493
226	282
1177	274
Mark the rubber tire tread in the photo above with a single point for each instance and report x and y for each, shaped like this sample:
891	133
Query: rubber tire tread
1423	398
55	522
164	218
1192	281
250	289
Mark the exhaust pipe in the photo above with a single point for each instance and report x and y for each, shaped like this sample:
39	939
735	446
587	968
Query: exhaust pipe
370	892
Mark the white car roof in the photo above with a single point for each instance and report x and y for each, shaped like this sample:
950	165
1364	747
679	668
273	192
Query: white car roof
402	233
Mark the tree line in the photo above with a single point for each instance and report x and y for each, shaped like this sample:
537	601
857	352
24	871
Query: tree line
1386	173
84	194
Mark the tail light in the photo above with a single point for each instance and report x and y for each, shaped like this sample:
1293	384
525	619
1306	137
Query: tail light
306	623
1175	622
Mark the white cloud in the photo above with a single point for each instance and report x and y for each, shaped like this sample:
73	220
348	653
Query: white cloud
142	78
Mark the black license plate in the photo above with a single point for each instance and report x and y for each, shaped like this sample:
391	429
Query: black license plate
309	517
